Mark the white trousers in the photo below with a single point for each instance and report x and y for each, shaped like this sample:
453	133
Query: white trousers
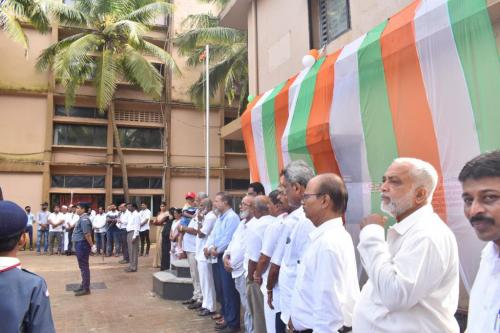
207	285
269	315
193	269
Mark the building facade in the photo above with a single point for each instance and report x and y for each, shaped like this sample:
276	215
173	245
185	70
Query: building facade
49	154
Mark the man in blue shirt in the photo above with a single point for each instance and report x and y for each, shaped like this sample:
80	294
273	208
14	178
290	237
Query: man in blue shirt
43	229
82	237
225	226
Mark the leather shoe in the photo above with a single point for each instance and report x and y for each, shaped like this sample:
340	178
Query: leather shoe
82	292
194	306
189	301
128	270
205	313
220	326
123	262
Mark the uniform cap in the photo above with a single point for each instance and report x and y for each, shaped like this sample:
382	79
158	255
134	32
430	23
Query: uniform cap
13	219
191	195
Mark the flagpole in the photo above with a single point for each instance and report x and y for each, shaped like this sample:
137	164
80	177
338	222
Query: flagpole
207	122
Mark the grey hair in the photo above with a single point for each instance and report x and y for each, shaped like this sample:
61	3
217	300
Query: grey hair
298	172
202	195
423	174
261	204
208	203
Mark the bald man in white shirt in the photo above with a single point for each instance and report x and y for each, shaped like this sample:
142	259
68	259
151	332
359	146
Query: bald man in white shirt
327	279
413	276
480	180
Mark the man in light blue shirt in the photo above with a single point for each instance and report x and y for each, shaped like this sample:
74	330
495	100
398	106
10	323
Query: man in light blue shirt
225	226
43	229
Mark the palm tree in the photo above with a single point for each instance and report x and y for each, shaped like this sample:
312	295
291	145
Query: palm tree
228	56
13	13
108	49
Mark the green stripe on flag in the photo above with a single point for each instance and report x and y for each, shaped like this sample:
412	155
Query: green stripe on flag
269	132
375	110
297	144
478	53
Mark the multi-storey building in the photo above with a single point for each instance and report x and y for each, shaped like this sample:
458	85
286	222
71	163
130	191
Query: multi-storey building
48	154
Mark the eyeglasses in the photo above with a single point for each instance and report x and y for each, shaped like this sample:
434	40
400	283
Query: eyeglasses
308	195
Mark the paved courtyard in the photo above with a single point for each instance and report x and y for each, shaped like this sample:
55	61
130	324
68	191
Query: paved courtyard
125	305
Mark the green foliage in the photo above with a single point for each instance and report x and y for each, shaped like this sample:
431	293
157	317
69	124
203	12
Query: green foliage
228	57
14	12
109	48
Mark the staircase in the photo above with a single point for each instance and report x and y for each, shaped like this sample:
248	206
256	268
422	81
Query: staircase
174	284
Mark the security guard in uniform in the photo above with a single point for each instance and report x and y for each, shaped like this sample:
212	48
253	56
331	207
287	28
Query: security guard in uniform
24	297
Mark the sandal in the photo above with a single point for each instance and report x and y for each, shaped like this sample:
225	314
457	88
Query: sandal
217	316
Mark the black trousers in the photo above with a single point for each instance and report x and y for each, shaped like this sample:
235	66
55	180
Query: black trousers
165	247
145	240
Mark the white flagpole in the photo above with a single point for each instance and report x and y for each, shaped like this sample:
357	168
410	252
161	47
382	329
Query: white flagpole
207	122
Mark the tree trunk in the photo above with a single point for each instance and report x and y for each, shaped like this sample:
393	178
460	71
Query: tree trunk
119	151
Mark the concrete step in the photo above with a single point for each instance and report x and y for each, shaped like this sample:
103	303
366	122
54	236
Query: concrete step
181	268
171	287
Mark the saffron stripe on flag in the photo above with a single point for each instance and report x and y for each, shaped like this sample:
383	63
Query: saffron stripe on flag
318	128
407	97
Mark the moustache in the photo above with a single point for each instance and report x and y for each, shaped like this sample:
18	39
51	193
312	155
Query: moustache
481	218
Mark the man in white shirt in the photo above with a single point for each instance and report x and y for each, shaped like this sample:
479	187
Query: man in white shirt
189	247
413	276
327	280
234	257
70	220
296	175
123	220
133	227
272	235
144	232
206	219
113	232
254	237
56	220
99	226
480	180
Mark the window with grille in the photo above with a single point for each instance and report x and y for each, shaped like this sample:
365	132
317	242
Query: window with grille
139	116
328	20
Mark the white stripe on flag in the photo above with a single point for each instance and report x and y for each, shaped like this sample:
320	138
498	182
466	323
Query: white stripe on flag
258	140
346	133
453	119
293	94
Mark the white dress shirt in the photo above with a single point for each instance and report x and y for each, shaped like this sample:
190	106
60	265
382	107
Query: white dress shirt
145	215
484	302
99	219
206	229
327	281
134	223
188	240
300	226
124	219
56	218
270	247
255	235
237	248
413	277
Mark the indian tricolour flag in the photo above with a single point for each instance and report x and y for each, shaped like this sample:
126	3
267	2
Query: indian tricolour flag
424	84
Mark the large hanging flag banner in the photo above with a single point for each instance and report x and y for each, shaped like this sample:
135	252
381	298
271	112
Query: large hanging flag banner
425	84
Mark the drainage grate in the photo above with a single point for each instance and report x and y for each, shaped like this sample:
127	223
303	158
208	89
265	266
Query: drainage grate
95	285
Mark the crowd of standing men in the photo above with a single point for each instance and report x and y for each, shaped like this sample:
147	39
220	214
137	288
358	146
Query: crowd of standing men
288	263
